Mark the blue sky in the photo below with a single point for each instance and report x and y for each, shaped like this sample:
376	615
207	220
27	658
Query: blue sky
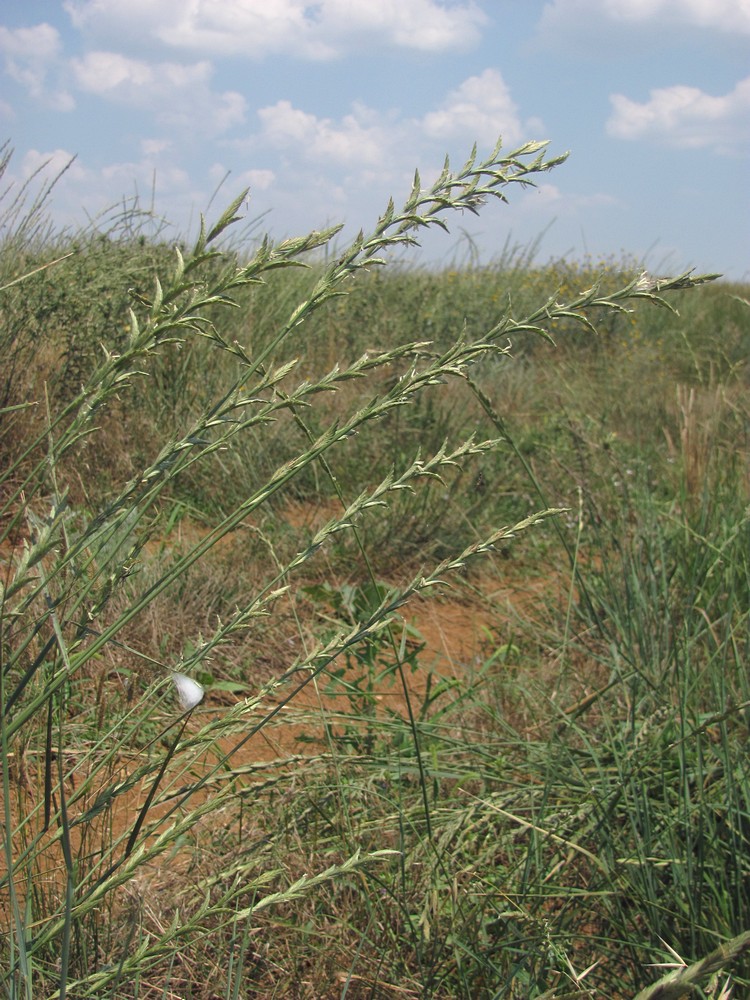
324	109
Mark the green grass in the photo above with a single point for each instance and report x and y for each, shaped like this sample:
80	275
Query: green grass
253	468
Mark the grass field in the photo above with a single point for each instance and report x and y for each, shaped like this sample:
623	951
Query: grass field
461	559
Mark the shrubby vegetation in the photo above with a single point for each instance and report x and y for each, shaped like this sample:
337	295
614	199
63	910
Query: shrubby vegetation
253	469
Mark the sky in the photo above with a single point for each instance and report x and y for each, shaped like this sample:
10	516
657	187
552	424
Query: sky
324	110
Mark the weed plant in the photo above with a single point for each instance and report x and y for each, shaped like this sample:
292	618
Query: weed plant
246	471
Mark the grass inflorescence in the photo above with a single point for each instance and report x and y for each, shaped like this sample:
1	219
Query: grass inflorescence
267	473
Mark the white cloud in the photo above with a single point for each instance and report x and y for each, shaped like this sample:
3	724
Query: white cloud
376	147
722	15
358	139
685	117
132	79
256	180
110	73
42	42
51	163
243	27
153	147
31	54
328	166
293	27
175	93
122	176
548	197
105	185
99	193
418	24
480	110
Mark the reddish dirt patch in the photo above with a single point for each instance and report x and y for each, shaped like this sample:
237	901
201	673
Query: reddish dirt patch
456	635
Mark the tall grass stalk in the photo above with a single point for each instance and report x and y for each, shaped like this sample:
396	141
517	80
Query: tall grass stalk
108	791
